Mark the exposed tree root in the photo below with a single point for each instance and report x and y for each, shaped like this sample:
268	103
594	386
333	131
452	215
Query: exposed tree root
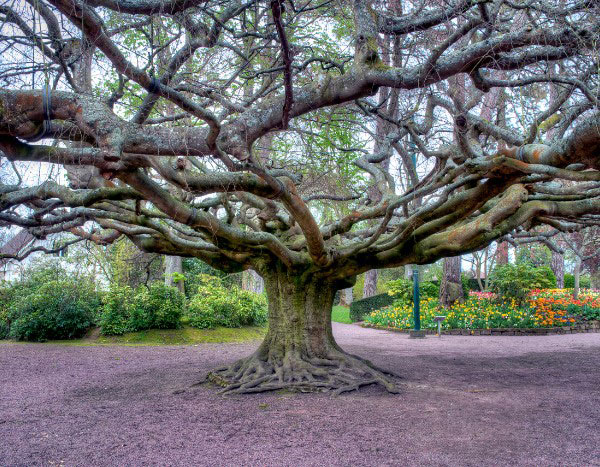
339	373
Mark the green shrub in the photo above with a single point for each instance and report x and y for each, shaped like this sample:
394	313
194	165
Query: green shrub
402	290
584	281
515	281
164	305
360	308
126	310
57	309
7	295
216	305
115	318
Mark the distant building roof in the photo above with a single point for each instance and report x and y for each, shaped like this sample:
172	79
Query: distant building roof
15	245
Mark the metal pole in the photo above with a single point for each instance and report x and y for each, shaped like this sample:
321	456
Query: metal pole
416	304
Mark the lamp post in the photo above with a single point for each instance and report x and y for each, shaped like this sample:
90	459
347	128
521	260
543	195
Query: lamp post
416	333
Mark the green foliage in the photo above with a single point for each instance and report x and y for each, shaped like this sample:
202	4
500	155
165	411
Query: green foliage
535	254
193	268
7	295
48	302
515	281
584	282
163	304
58	309
585	311
468	284
360	308
402	290
218	305
156	307
116	311
127	265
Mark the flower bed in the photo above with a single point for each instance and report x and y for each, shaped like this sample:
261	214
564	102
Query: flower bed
548	308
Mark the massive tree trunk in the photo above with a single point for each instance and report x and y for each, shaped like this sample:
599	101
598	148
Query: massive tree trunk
451	287
299	351
558	268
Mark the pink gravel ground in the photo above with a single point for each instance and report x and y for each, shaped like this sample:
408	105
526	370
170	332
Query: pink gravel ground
465	401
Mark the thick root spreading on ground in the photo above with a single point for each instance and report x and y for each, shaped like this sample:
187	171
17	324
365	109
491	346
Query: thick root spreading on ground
339	373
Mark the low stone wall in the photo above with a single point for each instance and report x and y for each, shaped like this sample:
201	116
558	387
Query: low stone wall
591	326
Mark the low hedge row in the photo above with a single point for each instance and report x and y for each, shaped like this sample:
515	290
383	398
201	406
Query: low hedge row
360	308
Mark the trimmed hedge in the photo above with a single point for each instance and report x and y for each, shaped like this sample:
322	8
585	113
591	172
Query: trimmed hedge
360	308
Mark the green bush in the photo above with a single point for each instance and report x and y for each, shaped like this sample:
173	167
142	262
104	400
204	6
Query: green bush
7	295
57	309
360	308
164	305
217	305
115	318
126	310
402	290
515	281
584	282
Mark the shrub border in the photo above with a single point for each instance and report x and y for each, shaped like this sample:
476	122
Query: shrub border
592	326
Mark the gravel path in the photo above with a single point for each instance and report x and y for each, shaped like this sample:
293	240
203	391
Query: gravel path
466	401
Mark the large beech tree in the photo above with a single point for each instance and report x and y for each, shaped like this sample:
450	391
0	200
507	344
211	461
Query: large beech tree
158	111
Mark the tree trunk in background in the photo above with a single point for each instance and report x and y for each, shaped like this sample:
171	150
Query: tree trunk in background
346	297
299	351
173	264
408	271
576	273
558	268
370	286
595	279
502	253
252	281
451	287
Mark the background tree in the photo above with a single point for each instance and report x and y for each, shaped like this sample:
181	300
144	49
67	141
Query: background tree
314	77
451	289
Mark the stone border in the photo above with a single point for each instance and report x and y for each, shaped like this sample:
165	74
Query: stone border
591	326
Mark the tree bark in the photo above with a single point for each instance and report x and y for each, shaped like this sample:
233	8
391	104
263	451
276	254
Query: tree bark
299	351
173	265
502	253
252	281
346	297
558	268
370	286
595	279
451	286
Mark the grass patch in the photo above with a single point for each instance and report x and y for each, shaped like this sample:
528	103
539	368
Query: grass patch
341	314
184	336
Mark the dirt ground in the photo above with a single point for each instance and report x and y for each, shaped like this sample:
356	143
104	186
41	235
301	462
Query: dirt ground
465	401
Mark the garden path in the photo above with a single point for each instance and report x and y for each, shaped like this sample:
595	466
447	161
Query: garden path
485	400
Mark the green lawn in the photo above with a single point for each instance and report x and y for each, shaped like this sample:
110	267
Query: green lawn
184	336
341	314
